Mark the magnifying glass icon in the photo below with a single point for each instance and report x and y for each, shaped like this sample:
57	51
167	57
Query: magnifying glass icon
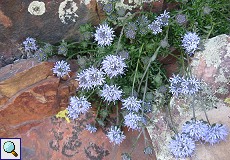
9	147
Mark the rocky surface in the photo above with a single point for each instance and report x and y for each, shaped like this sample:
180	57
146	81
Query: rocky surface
55	139
51	21
29	92
211	65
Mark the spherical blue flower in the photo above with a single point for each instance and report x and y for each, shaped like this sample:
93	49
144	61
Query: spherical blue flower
216	133
91	128
121	11
90	78
131	104
77	106
113	65
176	85
148	150
61	68
182	146
108	8
181	19
132	120
190	86
197	130
163	18
125	156
48	48
142	21
30	44
155	27
130	30
62	50
111	93
123	54
115	135
104	35
190	42
40	55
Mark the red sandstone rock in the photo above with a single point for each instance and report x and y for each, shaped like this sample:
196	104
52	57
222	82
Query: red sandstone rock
55	139
29	93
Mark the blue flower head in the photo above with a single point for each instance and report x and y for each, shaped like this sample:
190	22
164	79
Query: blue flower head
130	30
104	35
176	85
190	42
197	130
216	133
182	146
91	128
163	18
155	27
115	135
30	44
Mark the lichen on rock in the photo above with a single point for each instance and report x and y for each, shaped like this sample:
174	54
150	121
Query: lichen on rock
37	8
67	11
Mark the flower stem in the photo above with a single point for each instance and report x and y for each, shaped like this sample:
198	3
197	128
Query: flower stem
150	61
193	109
134	78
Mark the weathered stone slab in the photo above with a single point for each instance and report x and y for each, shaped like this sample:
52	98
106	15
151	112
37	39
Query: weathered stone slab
29	92
55	139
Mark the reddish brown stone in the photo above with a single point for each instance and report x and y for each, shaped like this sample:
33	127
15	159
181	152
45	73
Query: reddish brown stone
29	93
55	139
4	20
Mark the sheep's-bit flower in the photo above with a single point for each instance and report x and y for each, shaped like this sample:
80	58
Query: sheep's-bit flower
190	86
78	106
207	10
182	146
130	30
91	128
104	35
90	78
131	103
123	54
121	11
181	19
113	65
216	133
30	44
132	120
111	93
155	27
61	68
40	55
115	135
190	42
143	21
48	49
163	18
62	50
108	8
125	156
148	150
197	130
176	85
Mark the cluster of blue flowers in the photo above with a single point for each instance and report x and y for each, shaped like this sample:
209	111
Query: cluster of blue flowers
32	49
183	145
30	44
184	86
160	21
